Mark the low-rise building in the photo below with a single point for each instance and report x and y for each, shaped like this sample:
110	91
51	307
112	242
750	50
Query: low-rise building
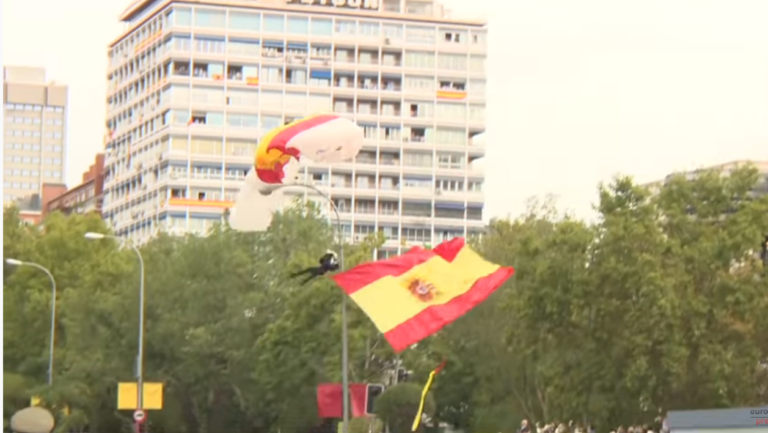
32	207
83	198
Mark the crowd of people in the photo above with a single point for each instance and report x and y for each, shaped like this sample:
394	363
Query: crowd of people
574	427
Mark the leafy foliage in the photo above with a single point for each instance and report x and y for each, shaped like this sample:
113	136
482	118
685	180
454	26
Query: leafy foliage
657	305
399	405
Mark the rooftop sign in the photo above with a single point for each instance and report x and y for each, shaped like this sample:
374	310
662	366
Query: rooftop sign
350	4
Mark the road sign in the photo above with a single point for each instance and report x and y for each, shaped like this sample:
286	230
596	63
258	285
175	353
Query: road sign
139	416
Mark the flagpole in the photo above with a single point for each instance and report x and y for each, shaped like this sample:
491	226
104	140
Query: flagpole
344	327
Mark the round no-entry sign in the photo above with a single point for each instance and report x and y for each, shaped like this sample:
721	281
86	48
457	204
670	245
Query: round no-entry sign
139	416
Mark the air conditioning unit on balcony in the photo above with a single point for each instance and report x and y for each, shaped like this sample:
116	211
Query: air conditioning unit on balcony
387	41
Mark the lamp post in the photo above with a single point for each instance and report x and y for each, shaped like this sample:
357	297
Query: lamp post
14	262
140	357
344	333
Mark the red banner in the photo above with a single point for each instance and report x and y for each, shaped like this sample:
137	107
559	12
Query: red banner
330	398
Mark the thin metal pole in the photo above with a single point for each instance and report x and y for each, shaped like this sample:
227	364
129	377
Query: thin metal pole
52	337
140	355
53	318
140	360
344	327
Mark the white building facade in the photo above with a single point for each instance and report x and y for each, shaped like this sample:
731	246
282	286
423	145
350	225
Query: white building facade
193	85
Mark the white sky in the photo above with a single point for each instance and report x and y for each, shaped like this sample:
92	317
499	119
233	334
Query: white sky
578	90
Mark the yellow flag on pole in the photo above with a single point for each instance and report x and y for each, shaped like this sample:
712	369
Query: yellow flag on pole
424	393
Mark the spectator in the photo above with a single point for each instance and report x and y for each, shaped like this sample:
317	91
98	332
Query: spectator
524	427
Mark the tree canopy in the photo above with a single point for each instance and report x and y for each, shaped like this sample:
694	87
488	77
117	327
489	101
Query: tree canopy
657	305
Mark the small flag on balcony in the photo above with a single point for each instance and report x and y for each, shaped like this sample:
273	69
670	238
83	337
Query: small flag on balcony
218	77
252	81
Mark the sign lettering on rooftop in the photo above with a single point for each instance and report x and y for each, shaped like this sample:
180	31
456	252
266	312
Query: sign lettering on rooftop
352	4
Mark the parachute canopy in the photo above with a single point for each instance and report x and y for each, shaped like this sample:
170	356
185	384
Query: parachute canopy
325	138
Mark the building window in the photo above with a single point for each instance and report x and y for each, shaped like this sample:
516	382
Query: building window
452	62
452	36
244	21
420	35
298	25
182	43
274	23
209	45
477	64
477	87
181	17
243	120
392	31
210	18
419	59
479	37
322	27
368	28
451	111
249	48
346	27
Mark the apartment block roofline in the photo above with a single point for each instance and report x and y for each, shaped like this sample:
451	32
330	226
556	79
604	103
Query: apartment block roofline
141	5
761	165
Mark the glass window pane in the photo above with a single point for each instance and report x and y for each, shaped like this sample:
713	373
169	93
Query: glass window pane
346	27
420	35
182	16
244	21
322	27
392	31
274	23
369	28
298	25
210	18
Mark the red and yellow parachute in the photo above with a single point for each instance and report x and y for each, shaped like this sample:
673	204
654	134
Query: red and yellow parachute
324	138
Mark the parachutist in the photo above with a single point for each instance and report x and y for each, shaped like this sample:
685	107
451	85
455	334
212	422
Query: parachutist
329	262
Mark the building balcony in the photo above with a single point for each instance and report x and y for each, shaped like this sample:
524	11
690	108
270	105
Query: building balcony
417	170
475	197
421	193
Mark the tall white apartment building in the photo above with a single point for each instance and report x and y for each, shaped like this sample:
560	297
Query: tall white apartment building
194	84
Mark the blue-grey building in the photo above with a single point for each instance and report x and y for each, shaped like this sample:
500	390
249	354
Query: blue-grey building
718	420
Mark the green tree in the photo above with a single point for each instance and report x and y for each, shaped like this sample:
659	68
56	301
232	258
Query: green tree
398	406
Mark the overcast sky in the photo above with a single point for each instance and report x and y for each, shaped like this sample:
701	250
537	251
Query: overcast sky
578	90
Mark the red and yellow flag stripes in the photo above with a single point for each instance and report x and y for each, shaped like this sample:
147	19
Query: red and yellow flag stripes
414	295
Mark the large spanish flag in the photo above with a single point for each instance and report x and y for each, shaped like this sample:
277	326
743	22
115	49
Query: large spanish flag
414	295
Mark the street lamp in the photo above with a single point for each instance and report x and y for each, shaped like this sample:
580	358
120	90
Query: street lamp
344	333
14	262
140	357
